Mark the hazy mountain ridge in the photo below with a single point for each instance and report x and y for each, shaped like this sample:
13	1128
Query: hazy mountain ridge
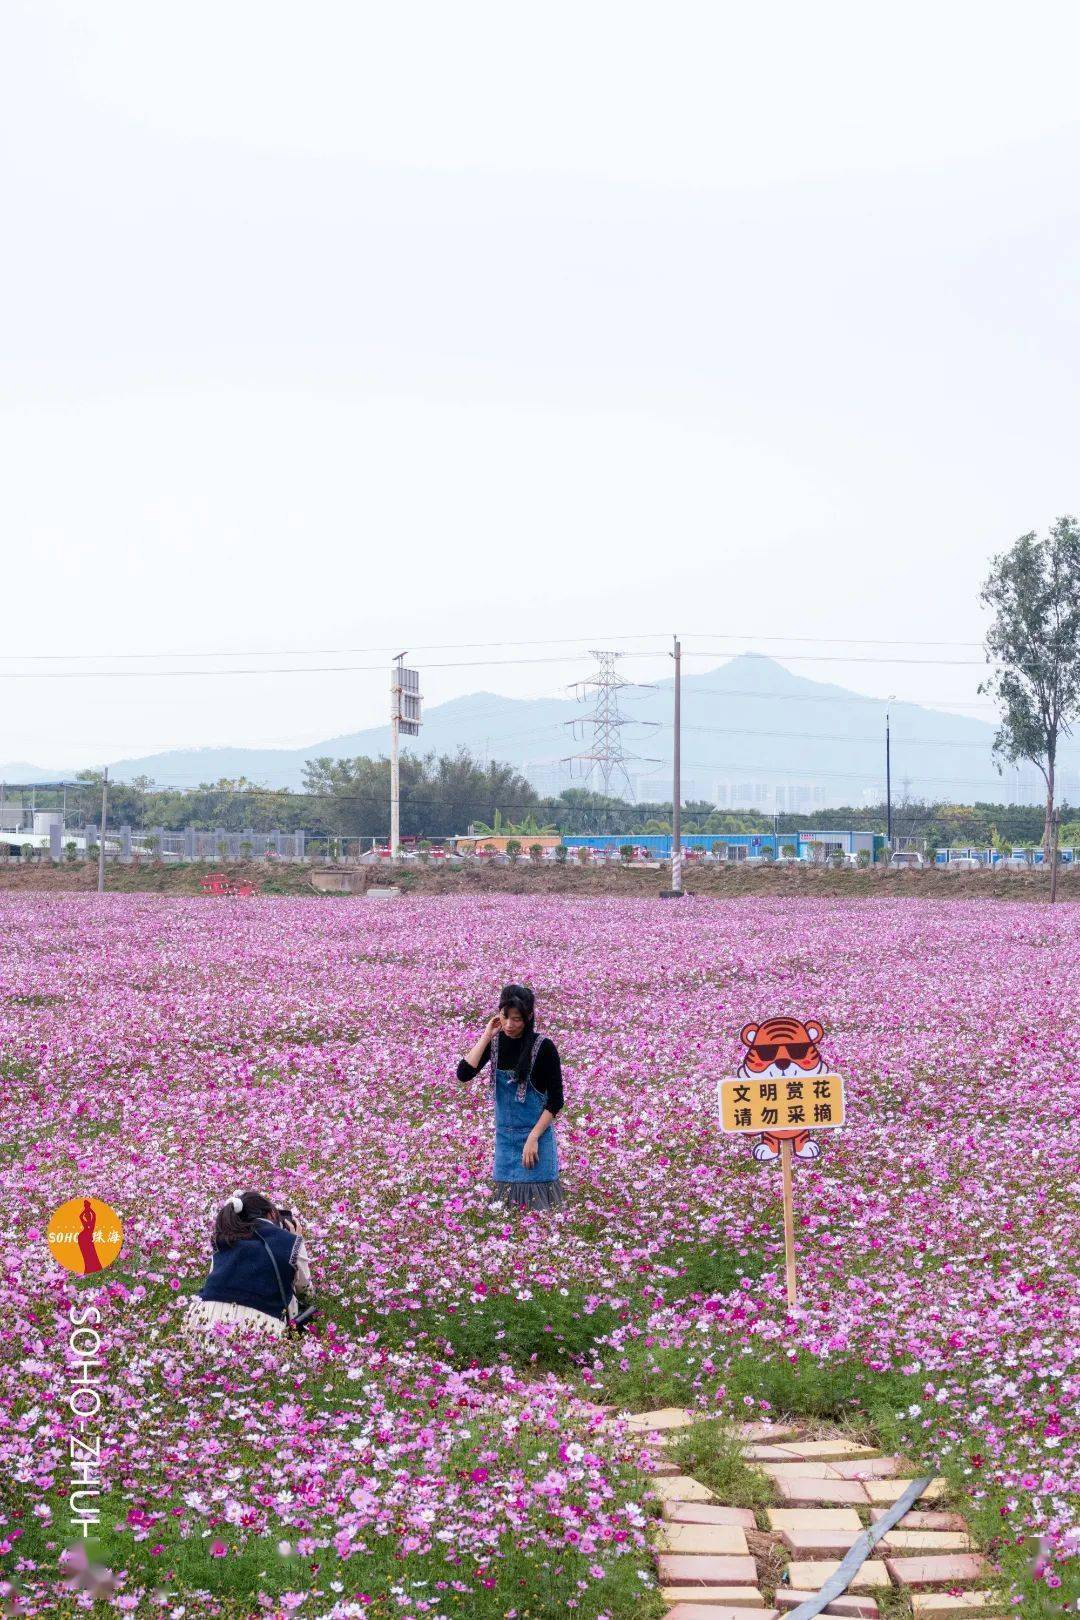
750	721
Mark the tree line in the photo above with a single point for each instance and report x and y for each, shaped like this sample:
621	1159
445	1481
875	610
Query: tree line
444	795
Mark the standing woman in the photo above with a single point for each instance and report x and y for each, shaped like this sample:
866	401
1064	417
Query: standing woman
528	1084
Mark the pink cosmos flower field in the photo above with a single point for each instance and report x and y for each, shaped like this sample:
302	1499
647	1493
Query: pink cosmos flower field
435	1449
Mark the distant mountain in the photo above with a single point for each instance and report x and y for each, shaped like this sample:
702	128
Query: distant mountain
754	733
19	771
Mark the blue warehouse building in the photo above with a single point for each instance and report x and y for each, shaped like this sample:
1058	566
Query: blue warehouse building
810	844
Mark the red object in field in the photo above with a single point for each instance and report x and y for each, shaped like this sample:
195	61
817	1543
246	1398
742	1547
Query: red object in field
221	883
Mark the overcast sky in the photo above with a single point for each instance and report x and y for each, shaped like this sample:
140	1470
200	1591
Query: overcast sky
350	326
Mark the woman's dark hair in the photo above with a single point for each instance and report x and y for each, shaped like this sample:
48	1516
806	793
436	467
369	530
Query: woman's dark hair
233	1224
521	997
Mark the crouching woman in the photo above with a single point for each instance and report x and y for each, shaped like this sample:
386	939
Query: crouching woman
259	1266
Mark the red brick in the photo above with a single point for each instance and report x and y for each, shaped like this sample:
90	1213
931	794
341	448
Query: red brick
751	1433
819	1543
825	1492
705	1569
868	1468
812	1574
710	1540
716	1611
951	1569
916	1519
860	1608
708	1513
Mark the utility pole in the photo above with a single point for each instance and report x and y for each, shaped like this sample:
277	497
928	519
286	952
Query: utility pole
101	837
888	784
676	792
1055	830
395	781
404	717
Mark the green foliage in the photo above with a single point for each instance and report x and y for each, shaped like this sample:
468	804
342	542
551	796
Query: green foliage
703	1269
530	1579
549	1330
1033	591
440	796
529	827
561	852
712	1454
836	1388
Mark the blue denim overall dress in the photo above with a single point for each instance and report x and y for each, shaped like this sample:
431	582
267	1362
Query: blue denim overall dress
518	1106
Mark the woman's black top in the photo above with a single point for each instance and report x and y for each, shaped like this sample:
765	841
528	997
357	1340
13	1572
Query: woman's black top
547	1070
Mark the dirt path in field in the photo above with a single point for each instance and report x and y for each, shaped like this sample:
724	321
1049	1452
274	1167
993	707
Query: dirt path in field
730	881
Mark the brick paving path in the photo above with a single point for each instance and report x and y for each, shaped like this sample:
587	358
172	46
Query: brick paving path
719	1563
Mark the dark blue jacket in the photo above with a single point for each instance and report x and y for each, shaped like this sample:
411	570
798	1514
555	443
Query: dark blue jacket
242	1273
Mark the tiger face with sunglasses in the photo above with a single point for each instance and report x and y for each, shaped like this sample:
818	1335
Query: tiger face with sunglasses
777	1049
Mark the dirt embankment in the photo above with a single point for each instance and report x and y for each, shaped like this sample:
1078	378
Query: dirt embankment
525	878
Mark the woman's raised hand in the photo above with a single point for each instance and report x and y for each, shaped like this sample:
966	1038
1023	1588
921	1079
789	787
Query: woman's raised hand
493	1025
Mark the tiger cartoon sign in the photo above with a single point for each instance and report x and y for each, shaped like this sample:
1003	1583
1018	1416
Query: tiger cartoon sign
783	1089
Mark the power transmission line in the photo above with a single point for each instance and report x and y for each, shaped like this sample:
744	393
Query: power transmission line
829	697
835	736
457	663
459	646
283	669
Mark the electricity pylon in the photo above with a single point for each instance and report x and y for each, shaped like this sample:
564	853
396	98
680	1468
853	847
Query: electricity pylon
605	757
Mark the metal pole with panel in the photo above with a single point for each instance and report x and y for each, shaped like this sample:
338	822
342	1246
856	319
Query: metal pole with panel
104	825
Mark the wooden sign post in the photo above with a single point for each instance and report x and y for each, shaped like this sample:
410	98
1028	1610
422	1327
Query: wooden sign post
789	1219
782	1109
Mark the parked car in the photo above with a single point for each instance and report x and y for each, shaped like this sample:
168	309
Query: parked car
963	863
906	857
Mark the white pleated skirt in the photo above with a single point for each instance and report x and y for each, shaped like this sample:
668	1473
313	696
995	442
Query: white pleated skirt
202	1314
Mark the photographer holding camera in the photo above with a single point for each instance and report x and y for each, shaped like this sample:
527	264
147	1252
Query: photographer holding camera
260	1275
